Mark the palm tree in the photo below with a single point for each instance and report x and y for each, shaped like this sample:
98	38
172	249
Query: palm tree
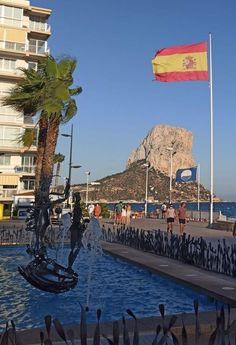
58	159
47	95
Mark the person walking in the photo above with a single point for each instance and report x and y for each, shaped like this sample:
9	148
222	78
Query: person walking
182	214
163	210
123	215
118	211
97	211
91	208
128	214
170	217
157	212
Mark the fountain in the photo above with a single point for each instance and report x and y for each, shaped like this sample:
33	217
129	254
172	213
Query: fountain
43	272
92	243
63	231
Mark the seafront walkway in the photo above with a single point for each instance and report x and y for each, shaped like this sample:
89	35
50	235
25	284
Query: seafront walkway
195	229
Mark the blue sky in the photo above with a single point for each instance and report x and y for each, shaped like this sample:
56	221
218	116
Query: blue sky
114	42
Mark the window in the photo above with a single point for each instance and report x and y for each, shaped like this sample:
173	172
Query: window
28	184
38	23
5	160
28	163
37	46
7	64
11	15
33	65
28	160
9	186
9	136
13	46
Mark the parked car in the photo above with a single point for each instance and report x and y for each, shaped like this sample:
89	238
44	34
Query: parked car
22	213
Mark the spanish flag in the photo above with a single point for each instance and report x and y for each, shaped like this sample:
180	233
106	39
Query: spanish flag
181	63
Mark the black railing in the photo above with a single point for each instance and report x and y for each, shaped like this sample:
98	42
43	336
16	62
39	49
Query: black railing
219	257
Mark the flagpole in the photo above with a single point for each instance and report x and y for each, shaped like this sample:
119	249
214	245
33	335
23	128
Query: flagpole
211	134
198	190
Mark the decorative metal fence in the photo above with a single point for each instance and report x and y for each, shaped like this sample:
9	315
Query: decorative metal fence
220	257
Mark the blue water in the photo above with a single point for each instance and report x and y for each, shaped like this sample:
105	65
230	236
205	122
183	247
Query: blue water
226	208
115	286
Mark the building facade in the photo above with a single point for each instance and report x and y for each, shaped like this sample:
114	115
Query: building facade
24	32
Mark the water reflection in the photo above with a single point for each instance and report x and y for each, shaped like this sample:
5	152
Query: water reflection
113	283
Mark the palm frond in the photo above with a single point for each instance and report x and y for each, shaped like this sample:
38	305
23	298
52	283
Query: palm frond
70	111
58	158
76	91
27	138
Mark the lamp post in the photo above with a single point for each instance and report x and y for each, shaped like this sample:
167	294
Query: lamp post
70	161
171	170
71	146
146	189
87	189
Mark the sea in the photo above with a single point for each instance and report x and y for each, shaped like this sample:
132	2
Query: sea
227	208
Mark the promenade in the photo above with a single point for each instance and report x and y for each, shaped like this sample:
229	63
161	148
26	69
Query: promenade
196	229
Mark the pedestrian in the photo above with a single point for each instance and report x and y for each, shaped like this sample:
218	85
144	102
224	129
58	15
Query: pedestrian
123	215
128	214
118	210
170	217
234	229
163	210
157	212
91	208
182	215
97	211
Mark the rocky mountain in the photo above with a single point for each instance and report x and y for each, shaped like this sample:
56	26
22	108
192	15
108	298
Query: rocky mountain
154	149
131	184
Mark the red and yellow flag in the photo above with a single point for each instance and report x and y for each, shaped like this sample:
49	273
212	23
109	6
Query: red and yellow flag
181	63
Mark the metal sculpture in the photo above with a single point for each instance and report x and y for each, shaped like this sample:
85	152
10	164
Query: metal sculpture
77	228
43	272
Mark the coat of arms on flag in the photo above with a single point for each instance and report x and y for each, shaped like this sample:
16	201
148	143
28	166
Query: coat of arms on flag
187	62
186	175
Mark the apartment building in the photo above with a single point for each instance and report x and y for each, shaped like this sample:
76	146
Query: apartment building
24	32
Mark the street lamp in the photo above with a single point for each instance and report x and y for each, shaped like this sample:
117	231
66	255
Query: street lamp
171	169
87	189
70	161
71	147
146	189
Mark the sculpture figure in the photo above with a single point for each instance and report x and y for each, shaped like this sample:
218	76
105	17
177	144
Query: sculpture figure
43	272
76	229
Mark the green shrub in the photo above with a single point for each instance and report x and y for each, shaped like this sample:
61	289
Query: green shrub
105	212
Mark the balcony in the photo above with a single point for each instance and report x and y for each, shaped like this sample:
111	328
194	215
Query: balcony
40	27
14	146
42	50
13	46
11	119
7	193
25	169
10	143
11	74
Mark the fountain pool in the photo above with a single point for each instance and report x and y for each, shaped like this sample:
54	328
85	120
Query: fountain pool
115	286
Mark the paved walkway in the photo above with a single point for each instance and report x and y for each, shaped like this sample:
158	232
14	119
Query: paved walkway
196	229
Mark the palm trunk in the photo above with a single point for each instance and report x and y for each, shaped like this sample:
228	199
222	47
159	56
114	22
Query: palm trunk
57	173
46	175
42	139
49	152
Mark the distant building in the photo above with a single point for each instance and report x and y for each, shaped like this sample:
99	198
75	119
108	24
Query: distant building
24	32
